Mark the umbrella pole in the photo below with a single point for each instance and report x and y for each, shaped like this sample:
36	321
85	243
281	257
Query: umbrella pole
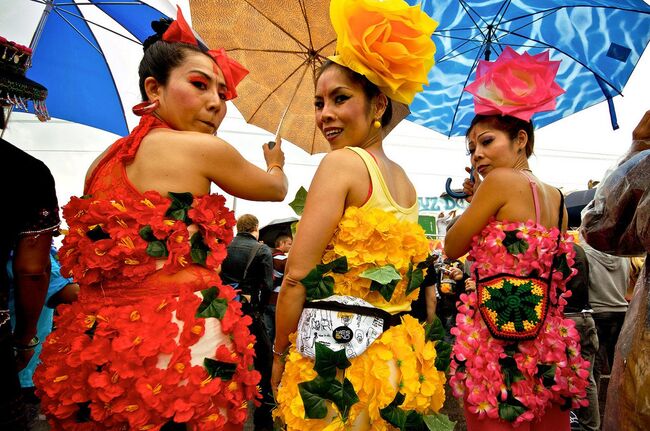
610	102
41	24
293	96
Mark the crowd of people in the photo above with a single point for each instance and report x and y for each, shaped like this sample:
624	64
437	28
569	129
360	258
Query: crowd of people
167	320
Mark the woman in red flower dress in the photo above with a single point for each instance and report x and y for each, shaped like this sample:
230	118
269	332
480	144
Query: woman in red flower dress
516	360
155	339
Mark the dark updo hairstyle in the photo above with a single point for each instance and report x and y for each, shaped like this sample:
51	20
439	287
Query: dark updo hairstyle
161	57
369	89
509	125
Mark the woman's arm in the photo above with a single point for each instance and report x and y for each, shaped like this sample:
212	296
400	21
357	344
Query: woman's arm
235	175
488	198
169	160
431	301
31	269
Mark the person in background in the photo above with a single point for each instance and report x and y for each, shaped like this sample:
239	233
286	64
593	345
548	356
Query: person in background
360	218
579	310
155	339
514	231
249	263
60	290
609	277
30	220
618	222
280	253
248	267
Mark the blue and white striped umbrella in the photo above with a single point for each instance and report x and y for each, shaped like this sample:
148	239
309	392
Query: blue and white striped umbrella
599	43
86	52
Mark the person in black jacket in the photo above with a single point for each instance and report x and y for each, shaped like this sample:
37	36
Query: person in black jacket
256	281
249	268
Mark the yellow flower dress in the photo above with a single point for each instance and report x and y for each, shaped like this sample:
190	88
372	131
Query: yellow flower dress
395	380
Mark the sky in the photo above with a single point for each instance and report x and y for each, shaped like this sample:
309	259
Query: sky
568	153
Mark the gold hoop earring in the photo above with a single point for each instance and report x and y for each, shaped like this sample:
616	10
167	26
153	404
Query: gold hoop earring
376	124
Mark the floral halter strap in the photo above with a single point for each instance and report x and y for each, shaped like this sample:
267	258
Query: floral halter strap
120	153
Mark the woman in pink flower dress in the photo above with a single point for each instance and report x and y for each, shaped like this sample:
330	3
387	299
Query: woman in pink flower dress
156	341
516	361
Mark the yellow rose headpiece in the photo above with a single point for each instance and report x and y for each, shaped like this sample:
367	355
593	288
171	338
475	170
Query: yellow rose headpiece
389	42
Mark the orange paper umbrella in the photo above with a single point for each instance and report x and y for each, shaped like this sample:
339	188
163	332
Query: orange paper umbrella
282	44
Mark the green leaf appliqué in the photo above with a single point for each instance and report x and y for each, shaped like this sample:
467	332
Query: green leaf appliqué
382	275
298	202
198	249
211	306
438	422
384	279
223	370
328	361
313	397
513	244
415	277
97	233
181	204
317	284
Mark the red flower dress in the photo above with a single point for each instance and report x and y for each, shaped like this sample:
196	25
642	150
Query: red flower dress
521	382
154	337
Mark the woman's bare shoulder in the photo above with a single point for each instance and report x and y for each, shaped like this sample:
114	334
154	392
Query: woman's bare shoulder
193	147
176	137
504	180
341	159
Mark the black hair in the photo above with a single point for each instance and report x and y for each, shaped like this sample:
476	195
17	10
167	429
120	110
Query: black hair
509	125
369	89
161	57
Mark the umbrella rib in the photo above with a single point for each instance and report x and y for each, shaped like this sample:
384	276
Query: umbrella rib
445	58
98	49
504	7
110	72
572	58
277	26
468	8
303	10
94	23
109	3
453	120
268	96
274	51
83	36
558	8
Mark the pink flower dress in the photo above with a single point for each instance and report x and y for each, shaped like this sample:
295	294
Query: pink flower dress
515	382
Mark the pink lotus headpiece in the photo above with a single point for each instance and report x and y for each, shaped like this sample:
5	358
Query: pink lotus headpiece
515	85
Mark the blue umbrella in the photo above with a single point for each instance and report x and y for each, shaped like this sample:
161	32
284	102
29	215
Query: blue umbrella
86	53
599	43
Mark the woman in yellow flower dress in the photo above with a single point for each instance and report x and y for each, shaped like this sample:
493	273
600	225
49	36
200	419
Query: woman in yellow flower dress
346	354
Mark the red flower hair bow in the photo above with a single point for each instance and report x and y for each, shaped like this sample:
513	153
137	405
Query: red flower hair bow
233	72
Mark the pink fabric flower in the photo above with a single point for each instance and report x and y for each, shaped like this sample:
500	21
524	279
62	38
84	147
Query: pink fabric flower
550	368
515	85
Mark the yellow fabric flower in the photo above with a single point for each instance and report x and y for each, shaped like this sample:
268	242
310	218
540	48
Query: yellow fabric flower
399	360
371	238
389	42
